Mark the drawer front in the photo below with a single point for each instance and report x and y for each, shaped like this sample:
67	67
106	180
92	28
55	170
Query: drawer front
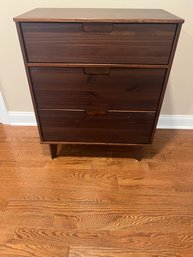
98	42
117	88
109	127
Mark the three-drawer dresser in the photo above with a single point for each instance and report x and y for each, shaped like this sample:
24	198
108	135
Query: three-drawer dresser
97	76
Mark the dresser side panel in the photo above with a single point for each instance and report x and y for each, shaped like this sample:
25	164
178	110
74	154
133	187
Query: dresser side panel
24	54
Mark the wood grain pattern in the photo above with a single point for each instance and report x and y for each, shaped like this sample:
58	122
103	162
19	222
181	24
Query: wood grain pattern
27	250
114	252
68	43
96	200
120	222
110	239
13	220
107	182
79	88
138	206
61	194
81	126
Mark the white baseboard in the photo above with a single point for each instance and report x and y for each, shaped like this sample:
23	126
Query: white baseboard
165	121
22	118
175	122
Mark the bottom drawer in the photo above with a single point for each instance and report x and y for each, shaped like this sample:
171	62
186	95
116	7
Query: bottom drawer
110	127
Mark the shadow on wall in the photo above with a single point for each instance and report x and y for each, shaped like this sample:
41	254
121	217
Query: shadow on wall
167	107
3	111
178	98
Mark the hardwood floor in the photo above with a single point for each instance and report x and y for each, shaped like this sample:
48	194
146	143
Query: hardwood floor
95	201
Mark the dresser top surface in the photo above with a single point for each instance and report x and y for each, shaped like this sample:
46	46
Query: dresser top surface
98	15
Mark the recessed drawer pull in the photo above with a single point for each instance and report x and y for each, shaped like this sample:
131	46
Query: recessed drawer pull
97	27
97	70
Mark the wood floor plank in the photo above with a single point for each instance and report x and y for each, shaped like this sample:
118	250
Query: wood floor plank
170	170
24	219
39	182
25	250
52	172
24	164
59	194
143	181
113	239
113	252
29	155
117	222
168	204
70	162
17	172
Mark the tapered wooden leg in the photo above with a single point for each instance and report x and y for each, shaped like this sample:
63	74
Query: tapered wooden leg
53	150
138	155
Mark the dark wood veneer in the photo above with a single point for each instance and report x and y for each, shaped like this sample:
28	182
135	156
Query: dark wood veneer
80	126
70	43
97	76
119	88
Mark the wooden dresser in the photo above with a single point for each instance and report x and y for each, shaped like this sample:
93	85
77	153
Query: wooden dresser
97	76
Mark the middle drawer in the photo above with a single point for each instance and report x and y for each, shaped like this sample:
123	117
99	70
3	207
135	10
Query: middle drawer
79	88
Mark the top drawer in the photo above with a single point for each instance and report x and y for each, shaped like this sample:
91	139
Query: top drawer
98	42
